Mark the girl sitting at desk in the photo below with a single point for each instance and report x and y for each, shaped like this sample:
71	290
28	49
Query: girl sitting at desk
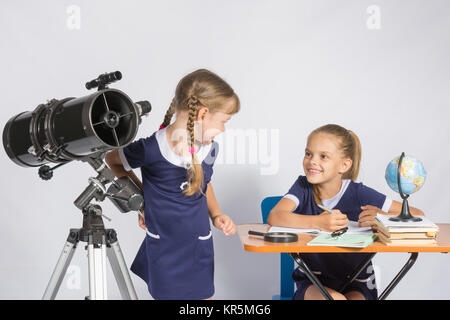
331	165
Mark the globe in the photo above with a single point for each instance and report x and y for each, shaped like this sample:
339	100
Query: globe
412	175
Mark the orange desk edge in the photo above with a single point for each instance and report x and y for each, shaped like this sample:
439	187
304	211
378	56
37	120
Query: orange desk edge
257	244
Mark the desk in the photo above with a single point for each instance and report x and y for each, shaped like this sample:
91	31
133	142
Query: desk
256	244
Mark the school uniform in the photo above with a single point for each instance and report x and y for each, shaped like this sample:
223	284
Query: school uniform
176	258
333	268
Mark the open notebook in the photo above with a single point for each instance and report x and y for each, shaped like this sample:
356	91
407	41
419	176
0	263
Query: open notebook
353	240
355	237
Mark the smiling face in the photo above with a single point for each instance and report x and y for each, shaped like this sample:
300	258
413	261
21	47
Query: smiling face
323	161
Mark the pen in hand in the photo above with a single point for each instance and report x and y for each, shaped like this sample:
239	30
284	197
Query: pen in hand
337	232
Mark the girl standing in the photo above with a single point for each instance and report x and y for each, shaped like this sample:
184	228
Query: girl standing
176	258
331	166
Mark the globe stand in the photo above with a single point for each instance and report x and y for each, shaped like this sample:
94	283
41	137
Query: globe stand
405	215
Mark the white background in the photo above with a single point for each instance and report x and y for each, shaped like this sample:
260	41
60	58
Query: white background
295	65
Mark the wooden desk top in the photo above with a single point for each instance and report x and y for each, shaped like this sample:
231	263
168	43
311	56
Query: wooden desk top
257	244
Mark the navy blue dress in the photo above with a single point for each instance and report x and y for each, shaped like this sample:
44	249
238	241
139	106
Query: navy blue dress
333	268
176	258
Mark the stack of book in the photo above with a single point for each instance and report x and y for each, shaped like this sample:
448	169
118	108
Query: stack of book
394	233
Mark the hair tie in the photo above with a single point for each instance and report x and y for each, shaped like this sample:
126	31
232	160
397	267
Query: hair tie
161	127
191	150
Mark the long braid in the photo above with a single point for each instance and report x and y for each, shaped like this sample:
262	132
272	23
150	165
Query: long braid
195	171
169	114
192	107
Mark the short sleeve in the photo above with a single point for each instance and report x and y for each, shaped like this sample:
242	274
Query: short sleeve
297	192
369	196
135	155
210	159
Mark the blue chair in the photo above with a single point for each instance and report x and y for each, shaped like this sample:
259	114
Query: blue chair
286	261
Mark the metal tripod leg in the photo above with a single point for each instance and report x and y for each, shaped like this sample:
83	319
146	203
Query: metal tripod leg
97	270
119	267
61	266
99	245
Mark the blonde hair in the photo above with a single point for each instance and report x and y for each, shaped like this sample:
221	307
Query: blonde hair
201	88
349	145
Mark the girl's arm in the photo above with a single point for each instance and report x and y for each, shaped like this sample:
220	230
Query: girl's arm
213	205
281	215
220	221
367	216
396	208
113	161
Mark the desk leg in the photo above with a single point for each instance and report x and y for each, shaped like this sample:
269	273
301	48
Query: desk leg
358	270
412	259
304	268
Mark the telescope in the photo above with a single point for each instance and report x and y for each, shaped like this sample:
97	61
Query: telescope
73	128
85	129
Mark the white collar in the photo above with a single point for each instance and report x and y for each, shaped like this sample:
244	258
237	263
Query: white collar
332	202
172	157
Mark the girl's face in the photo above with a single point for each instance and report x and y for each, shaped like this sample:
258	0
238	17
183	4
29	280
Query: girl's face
212	123
323	161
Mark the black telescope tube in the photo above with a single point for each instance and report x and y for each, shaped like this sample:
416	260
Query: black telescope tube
73	128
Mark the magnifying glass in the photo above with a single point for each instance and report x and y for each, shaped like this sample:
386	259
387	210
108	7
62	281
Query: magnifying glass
277	237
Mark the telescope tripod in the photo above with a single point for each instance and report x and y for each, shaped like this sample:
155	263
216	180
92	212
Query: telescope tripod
101	242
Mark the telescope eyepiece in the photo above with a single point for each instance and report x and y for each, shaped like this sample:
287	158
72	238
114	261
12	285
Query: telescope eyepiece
144	107
103	80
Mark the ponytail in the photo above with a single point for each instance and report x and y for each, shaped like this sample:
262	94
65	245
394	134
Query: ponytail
354	148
